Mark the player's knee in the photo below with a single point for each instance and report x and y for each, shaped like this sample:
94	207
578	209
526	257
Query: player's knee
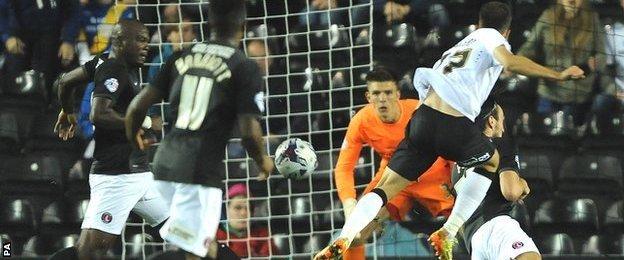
94	243
529	256
391	183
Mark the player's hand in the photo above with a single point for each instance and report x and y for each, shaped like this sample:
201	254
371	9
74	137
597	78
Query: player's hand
347	206
65	125
66	53
14	45
526	190
142	142
266	167
572	73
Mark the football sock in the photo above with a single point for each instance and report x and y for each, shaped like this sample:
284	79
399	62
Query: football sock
364	212
473	189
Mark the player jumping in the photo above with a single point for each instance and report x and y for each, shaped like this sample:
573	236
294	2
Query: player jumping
452	93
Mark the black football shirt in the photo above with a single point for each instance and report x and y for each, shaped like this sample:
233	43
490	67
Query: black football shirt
494	204
113	153
208	85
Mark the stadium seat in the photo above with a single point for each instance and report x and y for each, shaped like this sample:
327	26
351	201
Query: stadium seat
300	209
36	245
316	243
32	174
333	214
282	243
43	126
595	245
17	213
454	34
521	214
614	218
136	246
556	244
8	128
596	176
537	171
53	214
77	210
618	245
65	242
402	35
575	216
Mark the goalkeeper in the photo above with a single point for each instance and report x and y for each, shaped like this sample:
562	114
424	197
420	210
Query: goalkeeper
381	124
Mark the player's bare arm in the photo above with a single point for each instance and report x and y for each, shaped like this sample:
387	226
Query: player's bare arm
136	113
251	139
103	115
66	84
513	186
525	66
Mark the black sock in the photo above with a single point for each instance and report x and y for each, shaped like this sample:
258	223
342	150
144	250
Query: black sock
69	253
382	195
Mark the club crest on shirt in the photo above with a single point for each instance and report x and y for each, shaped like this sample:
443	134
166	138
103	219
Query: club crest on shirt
107	217
111	84
517	245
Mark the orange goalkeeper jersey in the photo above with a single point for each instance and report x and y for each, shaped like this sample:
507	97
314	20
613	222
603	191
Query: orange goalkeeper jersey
367	128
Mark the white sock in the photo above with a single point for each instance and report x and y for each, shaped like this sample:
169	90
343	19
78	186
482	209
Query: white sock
473	189
364	212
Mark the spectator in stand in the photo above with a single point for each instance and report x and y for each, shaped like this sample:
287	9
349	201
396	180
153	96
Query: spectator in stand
568	33
315	13
39	35
410	11
607	105
238	233
177	38
98	17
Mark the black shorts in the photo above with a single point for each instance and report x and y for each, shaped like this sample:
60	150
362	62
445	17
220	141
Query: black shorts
185	158
430	134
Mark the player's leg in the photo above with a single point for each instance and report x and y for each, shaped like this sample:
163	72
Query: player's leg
112	199
463	142
433	189
152	207
529	256
412	158
368	206
357	250
194	218
94	243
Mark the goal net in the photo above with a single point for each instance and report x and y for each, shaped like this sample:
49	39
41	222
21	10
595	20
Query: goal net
314	59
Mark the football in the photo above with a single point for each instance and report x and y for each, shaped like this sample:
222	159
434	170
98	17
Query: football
295	158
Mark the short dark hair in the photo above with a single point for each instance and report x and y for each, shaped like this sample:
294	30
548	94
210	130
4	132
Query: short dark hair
226	17
495	15
380	74
487	109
